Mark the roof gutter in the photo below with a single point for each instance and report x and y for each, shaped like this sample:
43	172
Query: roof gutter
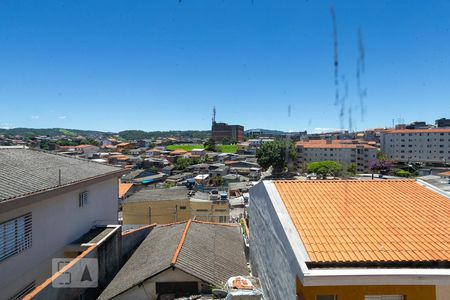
336	277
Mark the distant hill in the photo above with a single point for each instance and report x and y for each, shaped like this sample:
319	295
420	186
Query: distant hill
139	134
29	132
125	135
265	131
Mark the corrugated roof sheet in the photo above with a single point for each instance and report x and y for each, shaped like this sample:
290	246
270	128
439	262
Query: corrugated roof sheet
368	221
212	252
25	171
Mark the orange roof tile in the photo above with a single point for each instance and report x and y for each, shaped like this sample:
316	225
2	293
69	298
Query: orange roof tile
124	188
180	244
446	174
366	221
178	152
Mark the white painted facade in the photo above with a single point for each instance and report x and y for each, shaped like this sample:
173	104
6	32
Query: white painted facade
360	155
426	146
56	222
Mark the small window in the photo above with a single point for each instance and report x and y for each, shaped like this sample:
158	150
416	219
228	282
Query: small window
15	236
182	207
325	297
82	199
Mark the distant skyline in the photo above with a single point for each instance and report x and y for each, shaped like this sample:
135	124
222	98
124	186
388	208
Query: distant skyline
163	65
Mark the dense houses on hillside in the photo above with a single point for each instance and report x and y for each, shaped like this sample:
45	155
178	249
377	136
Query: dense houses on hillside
165	218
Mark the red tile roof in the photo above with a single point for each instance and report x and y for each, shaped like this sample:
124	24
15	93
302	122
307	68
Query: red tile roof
124	188
367	221
335	144
445	174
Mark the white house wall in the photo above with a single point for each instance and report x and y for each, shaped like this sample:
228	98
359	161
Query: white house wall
57	222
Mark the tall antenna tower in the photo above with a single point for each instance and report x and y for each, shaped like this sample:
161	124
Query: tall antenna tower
214	115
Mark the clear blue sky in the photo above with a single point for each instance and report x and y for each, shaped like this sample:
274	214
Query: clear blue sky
162	65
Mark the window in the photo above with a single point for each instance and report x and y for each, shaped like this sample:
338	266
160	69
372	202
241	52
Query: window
223	219
182	207
325	297
15	236
82	199
384	297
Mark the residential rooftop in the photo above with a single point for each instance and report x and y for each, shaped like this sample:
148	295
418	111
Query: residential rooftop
24	172
367	223
173	193
212	252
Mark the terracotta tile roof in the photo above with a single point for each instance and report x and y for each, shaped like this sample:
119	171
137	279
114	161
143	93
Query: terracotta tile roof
446	174
333	145
124	188
431	130
178	152
368	221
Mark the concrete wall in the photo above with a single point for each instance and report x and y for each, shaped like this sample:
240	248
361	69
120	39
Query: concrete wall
209	211
57	222
271	257
108	254
162	212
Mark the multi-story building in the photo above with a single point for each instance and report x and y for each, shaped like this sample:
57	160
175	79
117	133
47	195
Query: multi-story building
170	205
221	131
359	240
417	145
443	122
47	201
345	152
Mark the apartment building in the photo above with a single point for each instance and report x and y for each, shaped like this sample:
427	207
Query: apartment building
359	240
417	145
345	152
47	201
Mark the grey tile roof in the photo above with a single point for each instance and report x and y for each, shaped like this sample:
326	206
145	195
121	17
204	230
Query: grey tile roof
173	193
25	171
211	252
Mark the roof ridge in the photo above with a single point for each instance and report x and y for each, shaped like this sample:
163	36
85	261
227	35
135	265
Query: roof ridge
180	244
216	223
170	224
